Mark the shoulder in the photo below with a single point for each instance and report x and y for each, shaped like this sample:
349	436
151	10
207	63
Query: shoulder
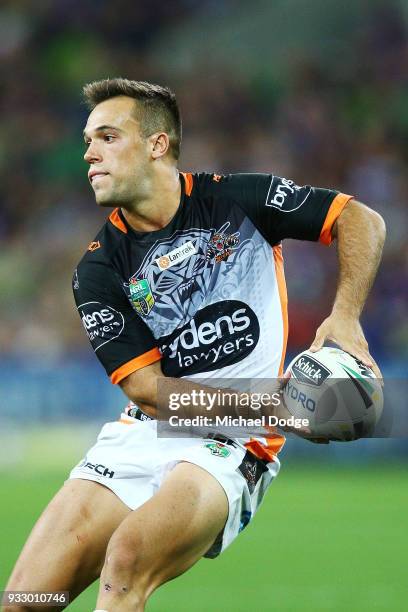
96	269
240	187
214	184
102	249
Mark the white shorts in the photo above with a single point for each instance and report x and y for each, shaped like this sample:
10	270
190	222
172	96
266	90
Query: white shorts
132	461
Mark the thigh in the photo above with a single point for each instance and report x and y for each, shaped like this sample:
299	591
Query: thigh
188	512
66	549
173	530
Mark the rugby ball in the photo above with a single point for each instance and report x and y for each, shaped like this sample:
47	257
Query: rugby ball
340	396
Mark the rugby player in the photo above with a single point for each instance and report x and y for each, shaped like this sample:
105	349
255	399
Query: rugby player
185	279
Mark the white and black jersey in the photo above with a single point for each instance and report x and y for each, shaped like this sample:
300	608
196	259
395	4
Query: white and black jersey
206	294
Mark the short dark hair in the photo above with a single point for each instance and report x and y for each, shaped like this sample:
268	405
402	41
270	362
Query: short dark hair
156	107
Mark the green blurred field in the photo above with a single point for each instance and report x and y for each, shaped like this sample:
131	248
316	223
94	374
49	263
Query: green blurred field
325	539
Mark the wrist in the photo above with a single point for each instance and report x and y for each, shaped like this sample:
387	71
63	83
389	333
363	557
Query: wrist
346	311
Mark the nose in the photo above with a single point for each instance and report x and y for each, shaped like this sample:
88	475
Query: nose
92	155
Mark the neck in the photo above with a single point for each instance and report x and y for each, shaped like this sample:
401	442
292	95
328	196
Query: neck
157	208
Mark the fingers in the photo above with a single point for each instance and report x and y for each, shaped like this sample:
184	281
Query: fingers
282	412
283	380
286	377
359	350
367	360
318	440
302	431
377	371
318	341
361	353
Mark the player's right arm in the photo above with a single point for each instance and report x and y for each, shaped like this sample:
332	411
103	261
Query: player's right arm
121	340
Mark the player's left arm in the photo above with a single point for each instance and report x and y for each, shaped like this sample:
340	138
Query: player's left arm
281	209
360	235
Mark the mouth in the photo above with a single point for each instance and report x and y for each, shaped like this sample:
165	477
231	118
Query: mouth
95	176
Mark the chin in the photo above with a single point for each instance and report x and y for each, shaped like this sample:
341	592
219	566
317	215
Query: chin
105	204
102	200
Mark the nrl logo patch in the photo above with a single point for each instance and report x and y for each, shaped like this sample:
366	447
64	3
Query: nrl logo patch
221	245
141	295
218	449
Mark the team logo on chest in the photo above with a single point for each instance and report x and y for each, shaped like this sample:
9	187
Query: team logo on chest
141	295
221	245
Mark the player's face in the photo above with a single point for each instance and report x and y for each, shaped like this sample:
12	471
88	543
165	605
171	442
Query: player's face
118	155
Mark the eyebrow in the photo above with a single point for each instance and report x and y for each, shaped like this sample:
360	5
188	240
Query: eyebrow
101	128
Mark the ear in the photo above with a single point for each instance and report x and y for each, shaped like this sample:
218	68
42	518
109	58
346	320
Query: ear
160	144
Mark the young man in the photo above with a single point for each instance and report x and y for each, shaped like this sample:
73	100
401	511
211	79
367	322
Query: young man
185	279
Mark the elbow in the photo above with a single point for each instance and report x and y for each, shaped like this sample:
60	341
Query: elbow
378	225
137	393
359	215
141	386
131	390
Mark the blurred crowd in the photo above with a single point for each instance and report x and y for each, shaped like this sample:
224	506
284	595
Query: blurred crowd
345	128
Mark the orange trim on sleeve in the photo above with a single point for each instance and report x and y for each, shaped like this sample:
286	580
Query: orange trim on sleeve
188	180
283	295
333	213
115	219
135	364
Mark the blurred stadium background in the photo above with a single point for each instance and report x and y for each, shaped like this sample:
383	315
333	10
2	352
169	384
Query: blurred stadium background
314	90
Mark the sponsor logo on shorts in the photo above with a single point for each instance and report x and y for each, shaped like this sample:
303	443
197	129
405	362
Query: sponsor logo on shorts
141	295
176	255
285	195
220	334
102	323
308	370
252	469
218	449
100	469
